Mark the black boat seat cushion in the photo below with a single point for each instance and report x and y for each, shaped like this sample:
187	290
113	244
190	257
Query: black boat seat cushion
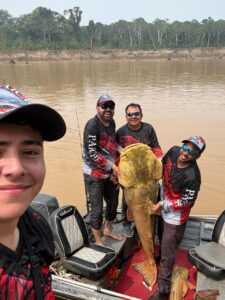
72	243
209	258
213	253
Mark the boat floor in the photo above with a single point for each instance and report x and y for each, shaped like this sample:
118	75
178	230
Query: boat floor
205	283
131	282
125	280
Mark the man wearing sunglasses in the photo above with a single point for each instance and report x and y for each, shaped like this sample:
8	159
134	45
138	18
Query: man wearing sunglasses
180	186
100	153
136	131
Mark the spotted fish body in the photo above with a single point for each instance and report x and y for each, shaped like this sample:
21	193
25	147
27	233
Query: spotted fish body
140	171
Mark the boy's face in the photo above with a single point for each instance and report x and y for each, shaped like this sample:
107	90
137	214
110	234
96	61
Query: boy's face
22	169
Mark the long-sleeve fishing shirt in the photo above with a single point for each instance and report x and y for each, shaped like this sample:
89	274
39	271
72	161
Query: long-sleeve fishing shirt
146	135
16	277
179	188
100	150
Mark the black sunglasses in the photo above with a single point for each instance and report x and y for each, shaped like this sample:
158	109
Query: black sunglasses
136	114
107	105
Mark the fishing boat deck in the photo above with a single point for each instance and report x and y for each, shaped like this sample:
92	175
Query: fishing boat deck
128	284
205	283
121	281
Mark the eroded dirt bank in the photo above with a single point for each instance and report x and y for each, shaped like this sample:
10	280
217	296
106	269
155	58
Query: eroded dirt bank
48	55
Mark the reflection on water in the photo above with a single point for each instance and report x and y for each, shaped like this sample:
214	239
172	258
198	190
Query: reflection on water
180	98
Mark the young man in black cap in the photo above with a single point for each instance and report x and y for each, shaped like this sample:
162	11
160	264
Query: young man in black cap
26	242
99	167
180	186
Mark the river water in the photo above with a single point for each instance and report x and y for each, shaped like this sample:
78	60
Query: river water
179	98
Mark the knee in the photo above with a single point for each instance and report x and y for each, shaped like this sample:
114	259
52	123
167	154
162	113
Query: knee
96	222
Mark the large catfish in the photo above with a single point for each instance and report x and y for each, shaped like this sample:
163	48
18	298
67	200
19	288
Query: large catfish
140	171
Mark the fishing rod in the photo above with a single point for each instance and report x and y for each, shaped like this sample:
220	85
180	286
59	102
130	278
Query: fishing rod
81	146
78	126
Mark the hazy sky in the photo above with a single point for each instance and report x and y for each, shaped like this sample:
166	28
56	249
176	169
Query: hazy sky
110	11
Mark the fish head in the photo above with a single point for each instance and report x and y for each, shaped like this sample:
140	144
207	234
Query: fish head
138	164
179	283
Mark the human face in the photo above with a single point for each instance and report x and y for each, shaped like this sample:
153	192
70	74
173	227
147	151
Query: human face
22	169
106	112
188	153
133	120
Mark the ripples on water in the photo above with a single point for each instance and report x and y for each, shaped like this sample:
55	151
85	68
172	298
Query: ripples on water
180	98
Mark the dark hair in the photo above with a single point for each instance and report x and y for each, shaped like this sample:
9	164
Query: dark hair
133	105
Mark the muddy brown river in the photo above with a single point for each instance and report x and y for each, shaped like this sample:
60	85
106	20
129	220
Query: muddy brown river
179	98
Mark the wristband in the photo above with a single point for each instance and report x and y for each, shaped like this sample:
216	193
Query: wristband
161	204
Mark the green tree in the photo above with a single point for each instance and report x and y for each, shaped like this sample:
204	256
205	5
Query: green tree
6	29
74	19
91	31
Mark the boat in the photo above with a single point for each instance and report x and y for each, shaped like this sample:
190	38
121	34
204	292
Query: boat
117	279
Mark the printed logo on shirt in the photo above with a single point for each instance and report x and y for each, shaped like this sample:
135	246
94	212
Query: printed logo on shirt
188	197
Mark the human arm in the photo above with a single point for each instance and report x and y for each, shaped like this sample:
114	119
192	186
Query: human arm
186	200
180	186
182	203
181	190
156	208
154	144
99	146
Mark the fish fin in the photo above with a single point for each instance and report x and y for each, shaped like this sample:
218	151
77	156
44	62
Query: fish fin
148	271
185	288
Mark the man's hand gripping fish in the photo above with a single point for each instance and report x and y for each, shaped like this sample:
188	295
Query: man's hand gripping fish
140	171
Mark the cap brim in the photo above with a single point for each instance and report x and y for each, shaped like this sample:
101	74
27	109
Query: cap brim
187	141
44	118
107	101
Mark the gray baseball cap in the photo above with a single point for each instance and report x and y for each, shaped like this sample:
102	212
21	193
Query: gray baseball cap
198	141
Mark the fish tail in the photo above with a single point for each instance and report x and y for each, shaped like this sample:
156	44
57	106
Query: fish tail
148	271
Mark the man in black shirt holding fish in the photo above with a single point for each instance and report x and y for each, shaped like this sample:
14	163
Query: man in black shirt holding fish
136	131
99	167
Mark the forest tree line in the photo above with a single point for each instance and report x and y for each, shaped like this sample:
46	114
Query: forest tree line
47	29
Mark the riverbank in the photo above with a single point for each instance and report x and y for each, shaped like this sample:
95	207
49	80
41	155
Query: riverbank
49	55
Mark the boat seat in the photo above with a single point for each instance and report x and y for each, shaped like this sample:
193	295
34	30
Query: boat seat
209	257
77	254
45	205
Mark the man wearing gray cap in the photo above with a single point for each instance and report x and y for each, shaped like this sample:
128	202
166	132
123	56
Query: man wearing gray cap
180	186
100	154
26	242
